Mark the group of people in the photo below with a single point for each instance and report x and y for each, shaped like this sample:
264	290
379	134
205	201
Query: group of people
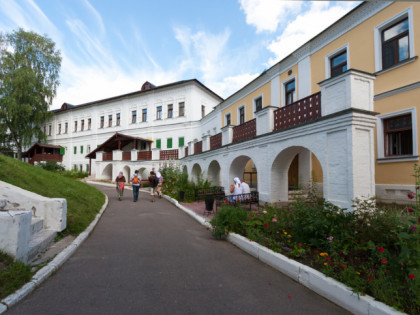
155	181
239	187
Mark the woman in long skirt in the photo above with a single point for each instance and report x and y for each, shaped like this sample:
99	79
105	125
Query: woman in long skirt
120	180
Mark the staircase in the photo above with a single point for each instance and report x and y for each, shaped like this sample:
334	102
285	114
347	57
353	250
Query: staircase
40	239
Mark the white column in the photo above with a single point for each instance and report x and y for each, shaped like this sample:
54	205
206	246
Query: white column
227	134
265	120
206	143
134	154
117	155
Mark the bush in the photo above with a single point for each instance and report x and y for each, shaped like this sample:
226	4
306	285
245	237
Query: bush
51	166
228	219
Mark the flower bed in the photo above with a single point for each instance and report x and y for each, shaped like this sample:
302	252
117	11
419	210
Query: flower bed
372	250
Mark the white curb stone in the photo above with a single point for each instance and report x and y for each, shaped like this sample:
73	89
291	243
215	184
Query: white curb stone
3	308
19	294
281	263
245	244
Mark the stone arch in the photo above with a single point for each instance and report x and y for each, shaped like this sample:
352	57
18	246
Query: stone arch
238	168
107	172
213	173
127	173
279	185
196	172
185	169
144	174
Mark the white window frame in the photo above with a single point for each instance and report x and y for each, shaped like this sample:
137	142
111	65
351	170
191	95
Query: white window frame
380	135
238	121
332	55
254	105
283	89
408	13
225	122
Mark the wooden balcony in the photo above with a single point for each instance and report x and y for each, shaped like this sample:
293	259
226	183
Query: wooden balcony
144	155
107	156
245	131
216	141
126	156
169	154
39	157
198	147
306	109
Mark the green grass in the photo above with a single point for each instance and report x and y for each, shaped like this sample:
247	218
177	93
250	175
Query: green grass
83	201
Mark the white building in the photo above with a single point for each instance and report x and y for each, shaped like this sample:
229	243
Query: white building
167	115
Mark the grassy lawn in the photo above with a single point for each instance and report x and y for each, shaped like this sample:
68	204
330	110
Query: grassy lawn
83	204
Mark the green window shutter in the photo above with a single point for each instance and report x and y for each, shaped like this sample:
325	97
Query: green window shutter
62	151
180	142
75	150
169	143
81	149
158	143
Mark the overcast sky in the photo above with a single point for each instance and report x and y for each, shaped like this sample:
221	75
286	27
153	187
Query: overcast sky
112	47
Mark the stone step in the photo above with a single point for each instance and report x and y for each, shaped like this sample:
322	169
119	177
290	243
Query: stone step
39	243
37	225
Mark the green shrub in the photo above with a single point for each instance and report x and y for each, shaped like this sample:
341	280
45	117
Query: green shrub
229	219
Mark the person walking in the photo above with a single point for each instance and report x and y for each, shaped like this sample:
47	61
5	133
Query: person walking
153	182
159	186
136	183
120	181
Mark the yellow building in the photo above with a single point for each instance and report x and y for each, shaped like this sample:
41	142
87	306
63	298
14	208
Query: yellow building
378	38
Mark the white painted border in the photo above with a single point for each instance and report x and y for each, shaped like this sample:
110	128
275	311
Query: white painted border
380	133
336	52
408	13
254	106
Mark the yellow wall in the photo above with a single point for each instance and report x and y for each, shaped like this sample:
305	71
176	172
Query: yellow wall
248	101
284	77
362	51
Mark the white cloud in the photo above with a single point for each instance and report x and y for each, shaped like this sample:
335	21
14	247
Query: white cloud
306	26
96	15
229	85
266	15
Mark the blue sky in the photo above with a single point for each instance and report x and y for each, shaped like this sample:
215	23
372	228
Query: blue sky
112	47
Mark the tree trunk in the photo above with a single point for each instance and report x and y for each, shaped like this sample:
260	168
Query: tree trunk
19	152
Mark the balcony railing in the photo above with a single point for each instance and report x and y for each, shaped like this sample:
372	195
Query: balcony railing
198	147
126	156
245	131
107	156
306	109
144	155
216	141
169	154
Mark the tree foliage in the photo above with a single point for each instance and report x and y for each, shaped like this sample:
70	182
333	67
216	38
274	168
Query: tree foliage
29	71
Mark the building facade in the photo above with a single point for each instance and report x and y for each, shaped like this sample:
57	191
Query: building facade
340	111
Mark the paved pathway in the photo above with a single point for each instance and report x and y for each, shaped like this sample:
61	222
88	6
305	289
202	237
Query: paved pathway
151	258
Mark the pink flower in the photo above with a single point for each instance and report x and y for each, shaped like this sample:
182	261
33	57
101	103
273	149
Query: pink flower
265	224
274	220
330	238
410	210
265	212
381	249
414	227
327	258
411	276
384	261
411	195
300	244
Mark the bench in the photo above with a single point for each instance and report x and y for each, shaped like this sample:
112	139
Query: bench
209	192
244	199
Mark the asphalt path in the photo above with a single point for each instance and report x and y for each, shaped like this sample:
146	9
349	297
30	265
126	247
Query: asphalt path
152	258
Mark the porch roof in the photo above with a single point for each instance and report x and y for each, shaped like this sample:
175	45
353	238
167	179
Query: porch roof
118	140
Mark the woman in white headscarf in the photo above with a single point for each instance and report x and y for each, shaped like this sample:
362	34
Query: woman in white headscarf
235	189
159	186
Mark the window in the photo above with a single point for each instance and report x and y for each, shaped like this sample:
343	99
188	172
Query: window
66	127
338	64
290	92
49	130
181	109
75	150
395	44
159	113
144	115
158	144
89	123
170	110
109	120
203	111
398	136
88	149
87	167
81	149
133	116
242	115
102	122
180	142
45	130
169	143
75	126
258	103
118	119
394	41
228	119
59	129
82	127
142	145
